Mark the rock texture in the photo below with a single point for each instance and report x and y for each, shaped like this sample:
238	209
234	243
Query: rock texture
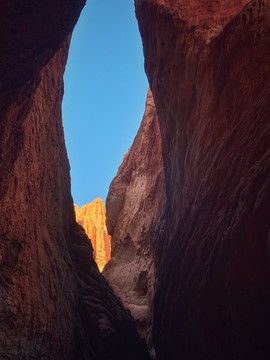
208	67
92	218
54	303
134	204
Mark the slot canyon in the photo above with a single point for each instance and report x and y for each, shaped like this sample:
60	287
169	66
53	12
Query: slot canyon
188	211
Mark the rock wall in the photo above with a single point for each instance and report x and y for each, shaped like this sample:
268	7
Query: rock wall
134	204
54	303
208	67
92	218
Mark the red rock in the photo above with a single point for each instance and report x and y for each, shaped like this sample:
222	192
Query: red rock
134	204
208	67
92	218
54	303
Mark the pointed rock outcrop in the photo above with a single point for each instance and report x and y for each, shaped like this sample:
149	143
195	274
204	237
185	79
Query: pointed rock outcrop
92	218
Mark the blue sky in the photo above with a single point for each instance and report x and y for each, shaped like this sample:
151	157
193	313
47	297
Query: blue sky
105	93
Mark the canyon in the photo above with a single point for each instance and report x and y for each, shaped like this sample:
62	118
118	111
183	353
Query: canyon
92	218
188	210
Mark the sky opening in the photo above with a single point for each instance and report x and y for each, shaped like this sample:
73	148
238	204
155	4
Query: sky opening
105	93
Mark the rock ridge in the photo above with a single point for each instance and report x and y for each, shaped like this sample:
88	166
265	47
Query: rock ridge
134	204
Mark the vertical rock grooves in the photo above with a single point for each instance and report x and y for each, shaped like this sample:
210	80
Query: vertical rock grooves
134	204
208	67
54	303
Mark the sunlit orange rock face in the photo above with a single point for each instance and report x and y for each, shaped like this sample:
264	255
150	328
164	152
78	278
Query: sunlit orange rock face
93	219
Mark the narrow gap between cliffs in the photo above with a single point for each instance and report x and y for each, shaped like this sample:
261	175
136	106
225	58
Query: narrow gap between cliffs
105	91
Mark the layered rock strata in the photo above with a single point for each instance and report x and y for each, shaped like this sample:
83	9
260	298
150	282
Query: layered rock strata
92	218
54	303
208	67
134	204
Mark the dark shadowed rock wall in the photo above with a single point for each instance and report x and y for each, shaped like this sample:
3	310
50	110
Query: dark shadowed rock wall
54	303
208	67
134	204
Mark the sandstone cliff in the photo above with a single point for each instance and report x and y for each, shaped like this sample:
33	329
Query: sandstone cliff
208	67
134	204
54	303
92	218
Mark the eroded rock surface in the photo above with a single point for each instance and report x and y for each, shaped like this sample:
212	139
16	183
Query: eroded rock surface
134	204
92	218
54	303
208	67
